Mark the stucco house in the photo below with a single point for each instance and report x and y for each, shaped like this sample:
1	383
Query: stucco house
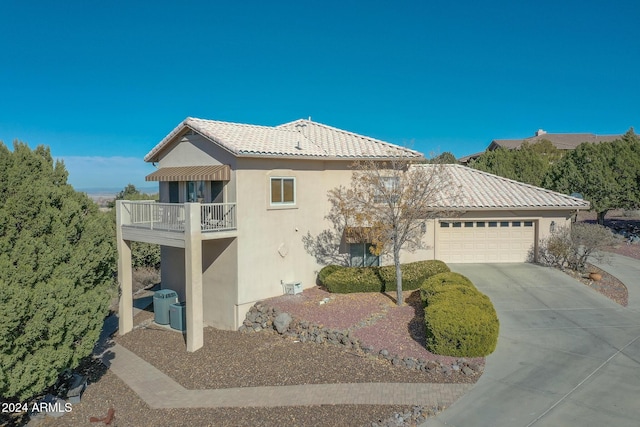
237	199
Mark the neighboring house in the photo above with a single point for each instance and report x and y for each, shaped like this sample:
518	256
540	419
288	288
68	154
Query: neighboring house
236	201
562	141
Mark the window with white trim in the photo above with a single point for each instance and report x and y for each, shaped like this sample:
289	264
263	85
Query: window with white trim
283	191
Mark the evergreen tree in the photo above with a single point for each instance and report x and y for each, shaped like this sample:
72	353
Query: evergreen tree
446	158
529	164
607	174
57	261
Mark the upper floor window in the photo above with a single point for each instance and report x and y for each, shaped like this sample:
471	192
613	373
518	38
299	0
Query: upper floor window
389	192
283	191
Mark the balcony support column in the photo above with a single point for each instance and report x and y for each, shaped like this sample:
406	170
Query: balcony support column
125	277
193	276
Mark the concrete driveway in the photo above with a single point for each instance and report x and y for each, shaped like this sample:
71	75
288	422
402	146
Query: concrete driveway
566	355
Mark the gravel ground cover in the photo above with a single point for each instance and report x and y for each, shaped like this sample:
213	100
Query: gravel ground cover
233	359
609	286
373	318
108	391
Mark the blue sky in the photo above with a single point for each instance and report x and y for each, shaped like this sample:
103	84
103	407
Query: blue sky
102	83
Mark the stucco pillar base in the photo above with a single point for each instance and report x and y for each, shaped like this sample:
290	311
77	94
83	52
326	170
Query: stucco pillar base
193	277
125	277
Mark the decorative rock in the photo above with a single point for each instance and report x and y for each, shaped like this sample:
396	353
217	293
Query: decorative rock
467	370
410	363
261	317
477	368
281	323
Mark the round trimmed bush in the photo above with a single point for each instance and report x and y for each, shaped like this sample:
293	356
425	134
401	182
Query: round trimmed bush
461	330
460	320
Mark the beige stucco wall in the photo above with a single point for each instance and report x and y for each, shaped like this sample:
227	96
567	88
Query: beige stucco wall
190	150
270	246
220	282
172	270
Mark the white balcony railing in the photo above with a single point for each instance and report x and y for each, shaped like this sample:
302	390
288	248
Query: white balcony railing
218	216
171	216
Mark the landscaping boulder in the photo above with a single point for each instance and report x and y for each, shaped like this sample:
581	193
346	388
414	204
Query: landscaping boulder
282	322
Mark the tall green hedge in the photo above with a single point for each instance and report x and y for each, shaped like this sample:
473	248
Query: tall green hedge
460	320
351	279
327	271
378	279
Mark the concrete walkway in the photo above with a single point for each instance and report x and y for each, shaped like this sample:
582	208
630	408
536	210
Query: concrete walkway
160	391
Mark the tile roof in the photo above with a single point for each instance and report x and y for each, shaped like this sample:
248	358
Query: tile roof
482	190
563	141
300	138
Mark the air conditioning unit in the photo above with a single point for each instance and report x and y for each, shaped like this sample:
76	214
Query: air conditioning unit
292	288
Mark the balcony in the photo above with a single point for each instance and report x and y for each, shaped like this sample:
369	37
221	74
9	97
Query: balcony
168	223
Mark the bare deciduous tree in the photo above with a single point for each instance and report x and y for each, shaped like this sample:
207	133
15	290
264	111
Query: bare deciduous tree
573	247
387	204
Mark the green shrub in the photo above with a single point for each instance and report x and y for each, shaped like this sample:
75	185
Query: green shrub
441	282
353	279
461	329
460	320
327	271
413	274
439	293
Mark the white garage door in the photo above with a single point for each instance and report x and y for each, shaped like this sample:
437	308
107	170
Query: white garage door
484	241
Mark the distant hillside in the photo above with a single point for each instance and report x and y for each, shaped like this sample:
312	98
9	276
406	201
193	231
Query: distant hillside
112	191
103	196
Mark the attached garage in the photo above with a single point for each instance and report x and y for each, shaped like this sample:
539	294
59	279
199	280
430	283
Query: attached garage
495	219
493	240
